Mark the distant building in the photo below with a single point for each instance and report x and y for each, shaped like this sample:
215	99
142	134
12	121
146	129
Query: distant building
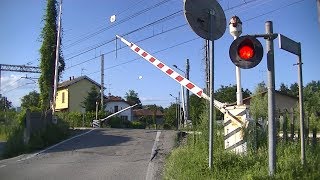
72	93
115	104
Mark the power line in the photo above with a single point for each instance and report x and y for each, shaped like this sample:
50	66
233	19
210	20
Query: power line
173	15
116	24
124	46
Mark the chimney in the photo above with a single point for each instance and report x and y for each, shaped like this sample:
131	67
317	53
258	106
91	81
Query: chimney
70	78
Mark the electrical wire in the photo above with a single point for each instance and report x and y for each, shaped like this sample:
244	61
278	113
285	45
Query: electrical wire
116	24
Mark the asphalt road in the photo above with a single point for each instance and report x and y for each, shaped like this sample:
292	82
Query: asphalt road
98	154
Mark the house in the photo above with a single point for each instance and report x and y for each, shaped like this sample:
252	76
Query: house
284	102
72	93
115	104
147	113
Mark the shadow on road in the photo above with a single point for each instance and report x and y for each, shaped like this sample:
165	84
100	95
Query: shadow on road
94	139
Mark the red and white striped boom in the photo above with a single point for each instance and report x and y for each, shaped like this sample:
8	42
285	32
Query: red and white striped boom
170	72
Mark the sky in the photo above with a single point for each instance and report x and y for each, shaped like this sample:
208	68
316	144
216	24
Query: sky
88	33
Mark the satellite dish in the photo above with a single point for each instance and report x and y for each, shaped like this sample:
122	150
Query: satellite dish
197	15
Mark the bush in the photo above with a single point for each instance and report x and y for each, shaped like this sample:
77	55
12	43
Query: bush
137	125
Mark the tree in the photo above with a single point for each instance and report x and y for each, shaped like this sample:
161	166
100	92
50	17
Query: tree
294	89
48	55
227	94
259	103
30	100
312	103
170	118
89	102
133	98
261	87
5	104
197	106
284	89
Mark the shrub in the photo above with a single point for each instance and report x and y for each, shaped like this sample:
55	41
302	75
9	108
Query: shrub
137	125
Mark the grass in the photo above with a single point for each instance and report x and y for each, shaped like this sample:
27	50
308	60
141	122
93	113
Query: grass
190	161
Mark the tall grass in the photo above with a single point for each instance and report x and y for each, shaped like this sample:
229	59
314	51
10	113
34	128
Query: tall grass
190	161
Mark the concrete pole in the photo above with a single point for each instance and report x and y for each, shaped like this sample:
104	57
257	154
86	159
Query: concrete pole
102	83
187	92
97	103
271	100
302	136
56	75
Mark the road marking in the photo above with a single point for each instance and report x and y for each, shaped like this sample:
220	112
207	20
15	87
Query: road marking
3	166
40	152
150	169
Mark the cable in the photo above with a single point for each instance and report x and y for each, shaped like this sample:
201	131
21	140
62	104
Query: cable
173	15
17	87
11	83
115	24
156	52
124	46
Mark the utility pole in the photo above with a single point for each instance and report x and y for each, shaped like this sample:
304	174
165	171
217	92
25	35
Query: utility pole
56	75
271	99
187	92
102	83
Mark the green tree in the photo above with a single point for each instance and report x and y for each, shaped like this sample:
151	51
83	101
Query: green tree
170	118
312	103
197	106
294	89
5	104
284	89
227	94
133	98
89	102
47	54
30	100
259	102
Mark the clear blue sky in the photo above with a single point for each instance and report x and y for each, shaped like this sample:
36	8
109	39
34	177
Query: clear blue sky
21	24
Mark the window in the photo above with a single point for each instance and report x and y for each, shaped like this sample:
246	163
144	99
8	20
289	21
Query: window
63	97
116	109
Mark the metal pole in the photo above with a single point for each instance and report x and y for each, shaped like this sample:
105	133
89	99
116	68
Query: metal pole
211	86
179	109
303	154
97	110
177	116
238	79
187	92
56	75
102	83
183	105
271	99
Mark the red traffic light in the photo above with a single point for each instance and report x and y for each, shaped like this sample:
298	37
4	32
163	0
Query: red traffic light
246	52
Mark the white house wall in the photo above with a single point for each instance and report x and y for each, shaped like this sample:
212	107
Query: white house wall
121	105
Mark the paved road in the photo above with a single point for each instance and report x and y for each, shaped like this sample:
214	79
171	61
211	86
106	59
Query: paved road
99	154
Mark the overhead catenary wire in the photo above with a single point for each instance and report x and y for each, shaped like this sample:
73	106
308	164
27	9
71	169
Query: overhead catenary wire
116	24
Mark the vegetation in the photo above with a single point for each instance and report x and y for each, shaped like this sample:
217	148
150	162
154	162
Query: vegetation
5	104
90	101
133	98
190	160
31	100
48	55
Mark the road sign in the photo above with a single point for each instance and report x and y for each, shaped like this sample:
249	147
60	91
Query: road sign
197	13
289	45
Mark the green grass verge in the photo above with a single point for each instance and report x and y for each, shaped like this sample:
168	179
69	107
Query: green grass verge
190	161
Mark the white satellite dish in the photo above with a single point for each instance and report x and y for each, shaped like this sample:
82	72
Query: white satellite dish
113	18
197	15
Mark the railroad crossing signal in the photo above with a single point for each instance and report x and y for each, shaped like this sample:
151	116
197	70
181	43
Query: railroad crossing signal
246	52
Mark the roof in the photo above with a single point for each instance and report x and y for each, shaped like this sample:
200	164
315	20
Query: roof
146	112
75	80
115	99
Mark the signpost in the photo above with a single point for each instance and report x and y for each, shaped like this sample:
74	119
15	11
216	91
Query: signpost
207	19
294	47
